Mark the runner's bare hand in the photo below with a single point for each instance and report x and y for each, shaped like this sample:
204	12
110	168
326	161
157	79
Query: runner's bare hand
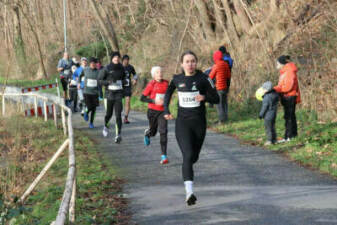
200	98
168	117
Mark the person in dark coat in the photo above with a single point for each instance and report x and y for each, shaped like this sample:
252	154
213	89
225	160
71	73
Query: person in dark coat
269	111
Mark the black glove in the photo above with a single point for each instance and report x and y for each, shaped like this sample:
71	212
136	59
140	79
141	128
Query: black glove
114	79
260	117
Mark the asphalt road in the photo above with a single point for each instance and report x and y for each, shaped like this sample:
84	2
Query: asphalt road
235	184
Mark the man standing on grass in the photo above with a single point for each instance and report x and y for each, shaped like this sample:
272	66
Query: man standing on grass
221	73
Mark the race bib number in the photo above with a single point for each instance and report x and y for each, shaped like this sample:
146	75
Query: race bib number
80	94
127	82
116	86
66	72
91	83
160	96
187	99
73	82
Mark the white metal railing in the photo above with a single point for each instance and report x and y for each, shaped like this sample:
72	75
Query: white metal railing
68	200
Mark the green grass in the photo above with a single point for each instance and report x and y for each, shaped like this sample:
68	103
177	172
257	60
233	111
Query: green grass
98	189
28	83
315	146
33	83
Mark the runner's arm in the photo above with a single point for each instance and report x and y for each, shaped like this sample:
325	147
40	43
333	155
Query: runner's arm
144	98
168	96
102	78
211	93
60	66
264	108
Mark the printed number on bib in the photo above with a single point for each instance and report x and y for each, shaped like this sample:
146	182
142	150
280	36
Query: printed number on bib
66	72
73	82
160	96
127	82
91	83
187	99
116	86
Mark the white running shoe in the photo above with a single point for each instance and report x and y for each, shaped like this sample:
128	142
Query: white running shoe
191	199
283	140
118	139
105	131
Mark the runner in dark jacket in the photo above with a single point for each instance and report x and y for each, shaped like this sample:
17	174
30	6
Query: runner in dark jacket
131	79
113	77
90	91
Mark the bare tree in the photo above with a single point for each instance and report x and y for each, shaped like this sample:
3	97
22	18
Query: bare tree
37	39
108	32
244	20
19	45
230	23
205	20
274	5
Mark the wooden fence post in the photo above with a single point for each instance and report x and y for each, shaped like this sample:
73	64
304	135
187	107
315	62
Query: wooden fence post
45	110
55	115
23	104
35	105
64	121
3	105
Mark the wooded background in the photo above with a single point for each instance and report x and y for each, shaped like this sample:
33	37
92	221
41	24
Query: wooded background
156	32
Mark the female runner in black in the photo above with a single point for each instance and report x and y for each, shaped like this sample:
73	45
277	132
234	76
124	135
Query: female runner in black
194	89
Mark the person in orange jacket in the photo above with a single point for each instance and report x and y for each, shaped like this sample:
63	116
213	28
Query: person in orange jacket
289	91
222	74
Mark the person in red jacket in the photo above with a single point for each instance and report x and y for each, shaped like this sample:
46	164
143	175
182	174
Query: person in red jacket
289	91
154	94
222	74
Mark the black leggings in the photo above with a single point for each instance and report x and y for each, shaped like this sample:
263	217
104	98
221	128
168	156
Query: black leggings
289	106
118	105
190	134
73	96
92	113
91	101
158	122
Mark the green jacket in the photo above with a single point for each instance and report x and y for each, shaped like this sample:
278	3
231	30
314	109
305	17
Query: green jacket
90	81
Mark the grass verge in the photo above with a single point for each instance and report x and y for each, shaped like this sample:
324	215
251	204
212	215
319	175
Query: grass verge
98	199
28	83
315	146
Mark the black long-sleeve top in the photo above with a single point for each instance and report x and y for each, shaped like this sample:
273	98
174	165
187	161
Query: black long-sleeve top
188	87
113	78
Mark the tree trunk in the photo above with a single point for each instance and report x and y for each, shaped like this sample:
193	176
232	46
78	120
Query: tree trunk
274	5
111	28
110	36
244	20
36	36
19	45
220	25
230	23
205	20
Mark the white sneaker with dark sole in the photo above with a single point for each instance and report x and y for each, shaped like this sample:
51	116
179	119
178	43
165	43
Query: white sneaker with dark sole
191	199
105	131
118	139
